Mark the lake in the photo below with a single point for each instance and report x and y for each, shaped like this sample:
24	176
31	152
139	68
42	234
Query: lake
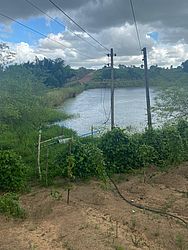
92	108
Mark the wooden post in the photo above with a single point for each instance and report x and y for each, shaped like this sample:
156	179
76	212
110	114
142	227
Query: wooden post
92	130
47	154
68	195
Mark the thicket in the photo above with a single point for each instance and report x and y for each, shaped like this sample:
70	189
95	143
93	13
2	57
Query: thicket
119	151
24	110
82	160
10	206
160	147
13	171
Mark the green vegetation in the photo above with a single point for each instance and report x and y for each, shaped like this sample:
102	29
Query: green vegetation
171	103
54	73
81	160
12	171
28	104
132	76
24	110
56	97
9	205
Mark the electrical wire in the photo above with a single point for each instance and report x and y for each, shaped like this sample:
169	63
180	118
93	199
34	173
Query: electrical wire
58	22
40	33
70	18
135	23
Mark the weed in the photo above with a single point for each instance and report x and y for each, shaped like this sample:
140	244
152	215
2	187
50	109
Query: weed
67	245
180	242
133	223
32	246
84	226
56	195
168	204
136	240
119	248
156	233
9	205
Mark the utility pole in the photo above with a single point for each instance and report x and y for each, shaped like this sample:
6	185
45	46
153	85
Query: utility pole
112	86
38	156
147	89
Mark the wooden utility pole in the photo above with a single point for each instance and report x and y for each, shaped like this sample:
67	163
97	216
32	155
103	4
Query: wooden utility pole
147	89
112	86
38	156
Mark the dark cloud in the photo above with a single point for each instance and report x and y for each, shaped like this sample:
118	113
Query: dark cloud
100	14
22	9
104	14
111	22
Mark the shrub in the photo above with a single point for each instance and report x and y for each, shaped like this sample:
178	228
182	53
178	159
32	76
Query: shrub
12	171
182	127
147	155
120	150
167	144
9	205
81	160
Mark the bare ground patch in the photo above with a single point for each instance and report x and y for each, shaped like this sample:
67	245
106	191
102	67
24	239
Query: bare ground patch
97	218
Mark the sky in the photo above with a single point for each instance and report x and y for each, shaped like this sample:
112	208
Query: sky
162	26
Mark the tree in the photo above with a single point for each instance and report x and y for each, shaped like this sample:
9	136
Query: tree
185	66
53	73
6	55
172	103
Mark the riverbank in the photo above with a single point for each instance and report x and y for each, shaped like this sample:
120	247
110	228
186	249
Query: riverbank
56	97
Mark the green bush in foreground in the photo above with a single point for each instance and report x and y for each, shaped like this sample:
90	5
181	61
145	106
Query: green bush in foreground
120	151
167	143
82	160
9	205
12	171
160	147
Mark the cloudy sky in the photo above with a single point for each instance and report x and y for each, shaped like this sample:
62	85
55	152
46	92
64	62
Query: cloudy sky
162	26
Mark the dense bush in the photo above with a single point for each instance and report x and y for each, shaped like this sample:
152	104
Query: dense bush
12	171
9	205
182	127
120	150
160	147
167	143
81	160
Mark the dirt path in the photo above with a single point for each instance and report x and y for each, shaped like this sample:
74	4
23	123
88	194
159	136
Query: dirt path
97	219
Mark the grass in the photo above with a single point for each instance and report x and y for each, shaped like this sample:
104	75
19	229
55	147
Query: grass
118	247
180	242
56	97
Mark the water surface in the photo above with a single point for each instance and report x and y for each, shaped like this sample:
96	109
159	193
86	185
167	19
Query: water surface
92	108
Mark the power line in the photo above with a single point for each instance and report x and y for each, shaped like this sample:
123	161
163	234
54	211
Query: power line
60	9
61	24
40	33
135	23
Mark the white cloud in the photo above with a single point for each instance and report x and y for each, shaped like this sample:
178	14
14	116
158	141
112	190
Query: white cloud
166	55
24	52
123	39
110	22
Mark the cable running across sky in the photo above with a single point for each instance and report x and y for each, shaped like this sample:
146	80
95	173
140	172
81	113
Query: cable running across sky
135	23
41	34
59	23
60	9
